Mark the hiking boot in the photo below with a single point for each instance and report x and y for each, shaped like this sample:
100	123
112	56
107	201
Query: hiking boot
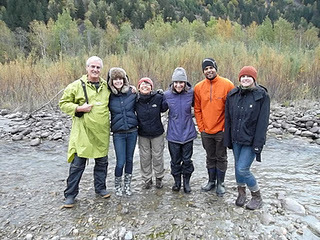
69	202
255	202
105	193
148	184
159	183
241	199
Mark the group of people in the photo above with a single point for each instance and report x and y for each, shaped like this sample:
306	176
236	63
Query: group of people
226	116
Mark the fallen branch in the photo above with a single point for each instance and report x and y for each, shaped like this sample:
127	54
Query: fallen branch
30	115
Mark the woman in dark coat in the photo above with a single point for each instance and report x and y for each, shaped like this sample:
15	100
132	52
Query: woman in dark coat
246	121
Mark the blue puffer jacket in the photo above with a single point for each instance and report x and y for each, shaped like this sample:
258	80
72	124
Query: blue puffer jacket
122	108
149	108
181	128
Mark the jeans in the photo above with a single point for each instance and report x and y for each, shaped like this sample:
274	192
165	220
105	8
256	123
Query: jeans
243	157
76	170
124	145
180	154
216	152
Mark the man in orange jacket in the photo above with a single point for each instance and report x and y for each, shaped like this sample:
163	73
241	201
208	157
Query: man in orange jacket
209	105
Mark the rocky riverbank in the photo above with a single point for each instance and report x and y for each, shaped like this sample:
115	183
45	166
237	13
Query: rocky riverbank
33	180
301	119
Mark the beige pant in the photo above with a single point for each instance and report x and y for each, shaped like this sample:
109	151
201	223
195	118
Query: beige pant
151	157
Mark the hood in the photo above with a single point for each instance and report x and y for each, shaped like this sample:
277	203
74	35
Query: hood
117	72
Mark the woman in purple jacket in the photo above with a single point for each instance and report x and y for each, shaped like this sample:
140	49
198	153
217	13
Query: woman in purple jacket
181	129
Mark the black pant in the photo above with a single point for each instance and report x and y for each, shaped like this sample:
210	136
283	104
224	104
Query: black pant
216	152
181	162
76	170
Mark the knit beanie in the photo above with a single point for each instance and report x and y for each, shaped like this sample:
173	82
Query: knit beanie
179	74
147	80
249	71
209	62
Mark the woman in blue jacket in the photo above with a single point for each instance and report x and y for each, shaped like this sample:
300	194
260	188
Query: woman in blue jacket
181	129
247	112
124	127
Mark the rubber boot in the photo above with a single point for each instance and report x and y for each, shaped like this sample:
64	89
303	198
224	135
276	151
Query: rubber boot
177	183
242	196
255	202
220	183
118	186
186	183
212	180
127	184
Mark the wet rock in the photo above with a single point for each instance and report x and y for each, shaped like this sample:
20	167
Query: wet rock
292	130
275	131
29	236
292	205
267	219
17	137
35	142
4	112
57	136
75	232
307	134
128	236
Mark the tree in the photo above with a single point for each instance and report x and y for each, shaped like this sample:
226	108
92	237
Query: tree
284	32
265	31
8	50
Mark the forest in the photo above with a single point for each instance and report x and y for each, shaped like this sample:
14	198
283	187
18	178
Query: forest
44	44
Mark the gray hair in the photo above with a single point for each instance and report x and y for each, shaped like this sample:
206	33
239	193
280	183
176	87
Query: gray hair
92	59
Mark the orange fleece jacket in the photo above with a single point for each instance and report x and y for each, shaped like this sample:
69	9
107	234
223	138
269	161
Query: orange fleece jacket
209	102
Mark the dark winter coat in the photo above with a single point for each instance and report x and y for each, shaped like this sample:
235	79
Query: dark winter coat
247	117
122	108
148	109
181	128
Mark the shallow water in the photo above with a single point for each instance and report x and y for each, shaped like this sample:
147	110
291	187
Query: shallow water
33	180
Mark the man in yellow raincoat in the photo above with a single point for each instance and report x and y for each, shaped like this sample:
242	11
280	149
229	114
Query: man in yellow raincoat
86	101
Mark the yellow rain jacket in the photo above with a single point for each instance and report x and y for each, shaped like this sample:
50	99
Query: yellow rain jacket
90	134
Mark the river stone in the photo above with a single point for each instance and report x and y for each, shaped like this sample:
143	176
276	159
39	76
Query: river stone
128	235
35	142
276	131
309	124
285	125
292	130
14	130
315	227
26	131
17	137
122	232
292	205
45	134
266	219
307	134
315	130
4	112
29	236
298	132
57	136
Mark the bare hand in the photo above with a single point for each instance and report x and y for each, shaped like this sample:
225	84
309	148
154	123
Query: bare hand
84	108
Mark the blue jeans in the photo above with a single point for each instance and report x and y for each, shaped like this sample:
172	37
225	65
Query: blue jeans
243	157
124	145
76	170
181	154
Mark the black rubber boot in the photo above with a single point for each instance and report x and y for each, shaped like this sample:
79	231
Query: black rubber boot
177	183
186	183
242	196
255	202
220	183
212	180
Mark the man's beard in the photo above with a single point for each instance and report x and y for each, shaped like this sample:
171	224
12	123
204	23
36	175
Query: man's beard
214	75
